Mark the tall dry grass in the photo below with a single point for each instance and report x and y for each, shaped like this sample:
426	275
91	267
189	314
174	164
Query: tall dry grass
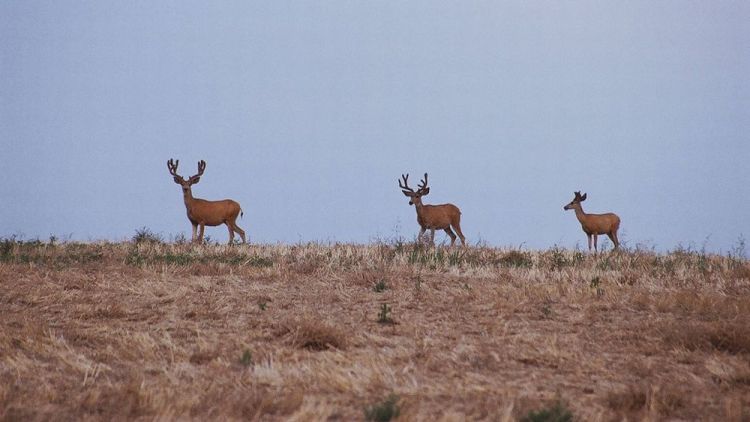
147	329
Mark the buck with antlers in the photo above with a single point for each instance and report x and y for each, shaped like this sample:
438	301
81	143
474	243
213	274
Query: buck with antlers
433	217
595	224
206	213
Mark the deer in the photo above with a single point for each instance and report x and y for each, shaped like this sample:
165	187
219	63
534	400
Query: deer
595	224
206	213
433	217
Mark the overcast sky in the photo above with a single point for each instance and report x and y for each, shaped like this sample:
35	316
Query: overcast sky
307	112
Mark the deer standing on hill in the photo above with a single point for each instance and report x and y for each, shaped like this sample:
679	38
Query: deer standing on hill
595	224
206	213
433	217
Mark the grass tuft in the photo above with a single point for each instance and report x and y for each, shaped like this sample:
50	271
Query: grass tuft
384	410
313	334
384	316
557	412
380	286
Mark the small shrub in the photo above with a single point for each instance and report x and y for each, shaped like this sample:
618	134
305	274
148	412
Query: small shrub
383	315
546	310
6	247
247	358
558	412
383	411
262	306
144	235
557	259
380	286
738	258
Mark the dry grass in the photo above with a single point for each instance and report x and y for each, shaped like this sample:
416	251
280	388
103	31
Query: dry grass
291	332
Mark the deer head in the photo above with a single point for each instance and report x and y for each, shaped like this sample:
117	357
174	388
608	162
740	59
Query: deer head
172	166
414	197
577	199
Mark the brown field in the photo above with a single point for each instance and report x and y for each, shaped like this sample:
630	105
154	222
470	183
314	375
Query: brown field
149	330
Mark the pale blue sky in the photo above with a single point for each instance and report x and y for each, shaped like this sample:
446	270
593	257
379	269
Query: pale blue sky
307	112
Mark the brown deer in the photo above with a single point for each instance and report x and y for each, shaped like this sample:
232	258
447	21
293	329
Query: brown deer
595	224
433	217
206	213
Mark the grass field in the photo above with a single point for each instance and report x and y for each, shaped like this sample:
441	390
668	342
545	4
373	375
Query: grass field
108	331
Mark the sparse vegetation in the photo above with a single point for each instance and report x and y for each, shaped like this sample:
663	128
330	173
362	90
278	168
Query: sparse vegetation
150	330
247	358
383	411
384	314
516	259
380	286
557	412
144	235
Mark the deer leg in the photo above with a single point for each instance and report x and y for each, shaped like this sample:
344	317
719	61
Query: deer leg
451	234
420	236
457	228
231	232
233	226
595	237
195	231
432	237
589	237
614	238
609	235
240	231
200	233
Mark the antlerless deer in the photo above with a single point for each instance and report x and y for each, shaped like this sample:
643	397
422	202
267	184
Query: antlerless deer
433	217
206	213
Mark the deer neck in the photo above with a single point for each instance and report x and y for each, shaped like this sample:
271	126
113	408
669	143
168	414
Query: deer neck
582	216
188	197
420	209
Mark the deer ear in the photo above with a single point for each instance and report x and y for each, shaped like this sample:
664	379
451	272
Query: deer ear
406	193
583	198
426	191
178	180
195	180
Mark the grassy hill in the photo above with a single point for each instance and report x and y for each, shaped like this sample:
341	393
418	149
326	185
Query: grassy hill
345	332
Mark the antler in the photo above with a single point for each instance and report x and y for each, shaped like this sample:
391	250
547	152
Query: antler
172	166
405	185
201	168
423	185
